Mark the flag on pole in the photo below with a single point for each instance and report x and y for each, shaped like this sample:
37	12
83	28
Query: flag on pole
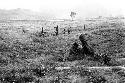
72	14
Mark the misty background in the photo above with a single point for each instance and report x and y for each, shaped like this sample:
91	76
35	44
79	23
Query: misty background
60	9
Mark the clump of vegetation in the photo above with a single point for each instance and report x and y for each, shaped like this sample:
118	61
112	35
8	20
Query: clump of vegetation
121	73
16	77
97	79
39	72
116	69
84	73
25	49
110	41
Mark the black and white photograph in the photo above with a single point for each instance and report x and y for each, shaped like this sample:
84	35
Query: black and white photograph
62	41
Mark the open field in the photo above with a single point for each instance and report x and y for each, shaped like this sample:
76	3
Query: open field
27	57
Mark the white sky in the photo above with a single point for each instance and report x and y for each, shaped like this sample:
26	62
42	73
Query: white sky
62	8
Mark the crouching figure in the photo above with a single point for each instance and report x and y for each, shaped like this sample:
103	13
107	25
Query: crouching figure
77	53
86	49
74	52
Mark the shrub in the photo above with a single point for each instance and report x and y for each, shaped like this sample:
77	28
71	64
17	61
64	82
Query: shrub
116	69
39	72
121	73
96	79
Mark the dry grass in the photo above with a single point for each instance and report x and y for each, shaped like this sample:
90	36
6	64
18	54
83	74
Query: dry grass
26	57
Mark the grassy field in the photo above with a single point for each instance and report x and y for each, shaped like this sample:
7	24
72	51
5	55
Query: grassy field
30	58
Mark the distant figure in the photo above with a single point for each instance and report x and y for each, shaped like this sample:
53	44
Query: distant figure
57	30
69	30
42	32
64	31
23	30
84	26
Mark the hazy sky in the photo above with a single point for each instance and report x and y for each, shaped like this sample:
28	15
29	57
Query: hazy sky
62	8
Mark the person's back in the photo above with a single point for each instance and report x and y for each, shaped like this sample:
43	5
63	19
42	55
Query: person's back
74	51
86	49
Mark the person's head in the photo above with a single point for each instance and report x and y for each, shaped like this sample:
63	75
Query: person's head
82	37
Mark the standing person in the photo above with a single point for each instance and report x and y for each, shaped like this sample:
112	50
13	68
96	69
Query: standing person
23	30
42	32
84	26
69	30
57	30
64	31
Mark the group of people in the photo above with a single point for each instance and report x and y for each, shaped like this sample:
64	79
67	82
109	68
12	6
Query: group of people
77	53
86	51
64	30
42	33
